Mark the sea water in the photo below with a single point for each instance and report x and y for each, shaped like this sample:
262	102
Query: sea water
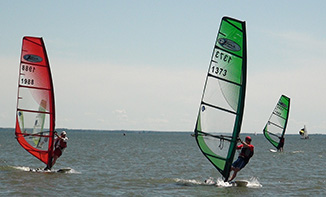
106	163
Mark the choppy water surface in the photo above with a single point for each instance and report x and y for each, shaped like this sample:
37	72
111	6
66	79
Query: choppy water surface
160	164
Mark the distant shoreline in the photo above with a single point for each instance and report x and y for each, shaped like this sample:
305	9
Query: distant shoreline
139	131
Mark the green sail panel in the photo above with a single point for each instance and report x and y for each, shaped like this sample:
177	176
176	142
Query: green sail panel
275	127
221	109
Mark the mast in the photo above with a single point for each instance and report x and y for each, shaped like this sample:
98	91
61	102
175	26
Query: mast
52	109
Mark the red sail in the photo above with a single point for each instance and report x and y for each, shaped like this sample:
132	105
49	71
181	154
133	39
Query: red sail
35	117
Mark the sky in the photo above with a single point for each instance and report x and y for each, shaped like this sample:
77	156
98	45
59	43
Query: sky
141	65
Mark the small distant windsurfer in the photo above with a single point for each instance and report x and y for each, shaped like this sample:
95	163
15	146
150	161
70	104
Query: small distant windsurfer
60	144
281	144
247	151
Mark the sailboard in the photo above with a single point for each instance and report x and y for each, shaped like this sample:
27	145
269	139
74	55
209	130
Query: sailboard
61	170
64	170
304	133
35	116
222	104
275	127
240	183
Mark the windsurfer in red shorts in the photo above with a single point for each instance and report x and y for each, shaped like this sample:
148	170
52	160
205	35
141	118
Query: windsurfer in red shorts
247	151
60	144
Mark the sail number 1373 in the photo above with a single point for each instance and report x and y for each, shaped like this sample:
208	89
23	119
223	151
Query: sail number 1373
222	56
219	71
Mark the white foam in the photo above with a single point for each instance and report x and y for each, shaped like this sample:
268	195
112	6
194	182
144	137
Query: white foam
189	181
22	168
254	183
297	151
28	169
221	183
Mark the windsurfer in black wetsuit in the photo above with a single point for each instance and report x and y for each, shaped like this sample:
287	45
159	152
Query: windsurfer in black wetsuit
247	151
281	144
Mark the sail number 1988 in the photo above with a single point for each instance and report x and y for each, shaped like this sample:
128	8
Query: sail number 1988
27	68
25	81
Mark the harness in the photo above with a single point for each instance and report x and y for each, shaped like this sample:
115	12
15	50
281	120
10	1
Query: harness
58	144
246	153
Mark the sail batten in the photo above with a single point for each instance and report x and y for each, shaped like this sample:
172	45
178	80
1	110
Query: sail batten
275	127
38	88
219	78
42	112
35	114
279	115
232	24
221	108
272	123
31	135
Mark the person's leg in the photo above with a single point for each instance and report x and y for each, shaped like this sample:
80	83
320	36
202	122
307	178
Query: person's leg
236	170
54	159
237	166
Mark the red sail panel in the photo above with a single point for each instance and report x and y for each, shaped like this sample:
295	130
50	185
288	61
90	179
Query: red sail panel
35	117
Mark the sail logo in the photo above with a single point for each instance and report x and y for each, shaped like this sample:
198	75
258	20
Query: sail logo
33	58
283	105
229	44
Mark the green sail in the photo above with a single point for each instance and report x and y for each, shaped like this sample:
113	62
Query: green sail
276	124
221	109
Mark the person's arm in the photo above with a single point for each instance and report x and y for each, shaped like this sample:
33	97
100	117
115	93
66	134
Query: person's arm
58	136
240	145
244	144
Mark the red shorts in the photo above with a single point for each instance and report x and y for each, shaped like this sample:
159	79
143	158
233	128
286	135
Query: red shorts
57	152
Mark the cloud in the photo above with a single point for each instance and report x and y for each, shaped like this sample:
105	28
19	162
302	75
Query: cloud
121	114
305	88
127	97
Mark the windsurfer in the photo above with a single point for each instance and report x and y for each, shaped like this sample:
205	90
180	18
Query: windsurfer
60	144
247	151
281	144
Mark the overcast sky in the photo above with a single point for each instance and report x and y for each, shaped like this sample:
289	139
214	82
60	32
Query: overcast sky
141	65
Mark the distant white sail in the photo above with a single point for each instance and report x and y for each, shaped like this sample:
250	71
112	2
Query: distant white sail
304	133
